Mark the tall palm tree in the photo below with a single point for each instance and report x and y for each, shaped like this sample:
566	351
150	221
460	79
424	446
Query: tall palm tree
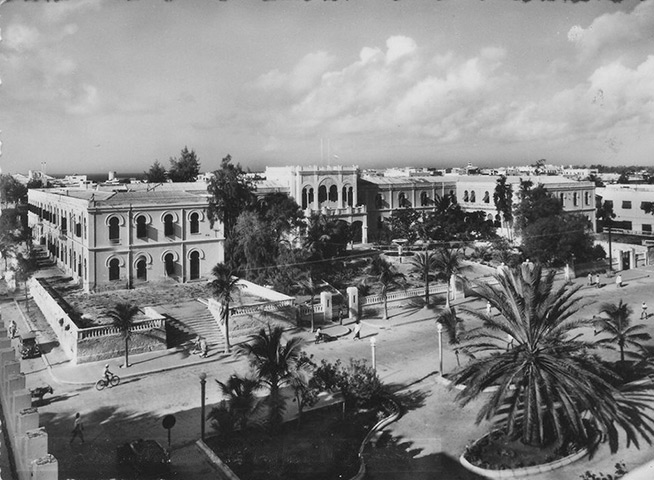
273	362
550	382
384	273
224	286
122	316
424	263
448	261
619	328
240	397
454	329
308	286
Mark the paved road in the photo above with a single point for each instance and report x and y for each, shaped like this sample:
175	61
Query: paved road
434	429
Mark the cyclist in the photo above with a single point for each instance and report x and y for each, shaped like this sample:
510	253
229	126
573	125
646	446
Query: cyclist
106	373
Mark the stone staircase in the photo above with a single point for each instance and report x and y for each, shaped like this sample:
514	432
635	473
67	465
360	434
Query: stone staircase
185	326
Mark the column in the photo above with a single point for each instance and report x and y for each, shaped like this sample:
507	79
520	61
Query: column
620	262
353	302
632	258
327	305
45	468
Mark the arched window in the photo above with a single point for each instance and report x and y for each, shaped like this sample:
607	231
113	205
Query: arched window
195	265
305	198
466	198
344	197
473	196
486	197
587	198
141	269
169	264
424	199
562	198
169	228
141	227
114	230
333	193
401	199
195	222
322	194
575	199
114	269
350	196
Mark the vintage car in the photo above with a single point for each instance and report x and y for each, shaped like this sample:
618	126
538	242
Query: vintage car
144	456
28	346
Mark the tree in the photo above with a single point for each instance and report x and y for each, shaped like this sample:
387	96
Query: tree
122	316
25	267
273	363
424	263
326	237
503	200
449	262
619	328
253	246
605	216
402	222
156	174
241	400
454	329
186	168
11	190
384	273
231	194
280	212
539	167
224	286
305	388
549	387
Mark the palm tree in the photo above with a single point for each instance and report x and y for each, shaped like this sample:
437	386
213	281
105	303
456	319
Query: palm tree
122	316
308	286
224	287
550	382
240	397
25	267
383	272
449	262
273	363
424	263
618	327
454	329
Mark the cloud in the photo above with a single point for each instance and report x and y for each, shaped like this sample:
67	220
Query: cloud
60	11
616	32
398	47
21	38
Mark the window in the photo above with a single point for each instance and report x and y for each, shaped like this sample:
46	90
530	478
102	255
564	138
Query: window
586	198
647	227
466	197
486	197
608	204
141	269
114	230
169	264
473	196
114	269
141	227
333	193
626	204
64	225
195	265
402	200
169	228
424	199
195	223
647	207
575	199
379	201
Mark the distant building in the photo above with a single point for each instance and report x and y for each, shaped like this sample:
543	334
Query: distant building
628	203
120	237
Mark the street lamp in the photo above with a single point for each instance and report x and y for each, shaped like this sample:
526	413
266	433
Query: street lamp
439	327
373	343
203	383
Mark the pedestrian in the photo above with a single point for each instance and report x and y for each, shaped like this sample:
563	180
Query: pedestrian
318	336
488	308
12	329
78	429
618	280
357	330
597	281
340	316
643	312
204	348
590	279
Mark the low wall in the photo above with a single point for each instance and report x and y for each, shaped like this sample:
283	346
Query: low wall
96	343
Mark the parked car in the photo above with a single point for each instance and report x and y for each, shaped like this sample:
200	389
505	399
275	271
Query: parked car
28	346
144	456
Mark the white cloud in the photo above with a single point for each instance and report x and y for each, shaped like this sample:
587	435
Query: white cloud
398	47
21	38
85	102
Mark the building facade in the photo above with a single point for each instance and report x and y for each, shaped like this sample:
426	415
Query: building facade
111	238
629	202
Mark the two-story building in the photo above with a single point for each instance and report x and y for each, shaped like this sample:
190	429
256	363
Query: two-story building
120	237
629	203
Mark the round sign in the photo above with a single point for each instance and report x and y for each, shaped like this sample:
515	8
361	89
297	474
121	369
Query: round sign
168	421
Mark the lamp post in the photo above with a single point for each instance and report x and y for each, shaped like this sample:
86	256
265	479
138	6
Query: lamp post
373	343
439	327
203	383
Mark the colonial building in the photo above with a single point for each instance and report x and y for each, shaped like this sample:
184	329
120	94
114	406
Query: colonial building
119	237
629	202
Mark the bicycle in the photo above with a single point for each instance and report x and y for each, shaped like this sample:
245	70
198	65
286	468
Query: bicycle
103	382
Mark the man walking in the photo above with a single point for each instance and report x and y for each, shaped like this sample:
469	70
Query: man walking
618	280
597	281
643	311
357	330
78	429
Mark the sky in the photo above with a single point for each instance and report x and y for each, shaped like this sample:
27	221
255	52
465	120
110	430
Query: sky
97	85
